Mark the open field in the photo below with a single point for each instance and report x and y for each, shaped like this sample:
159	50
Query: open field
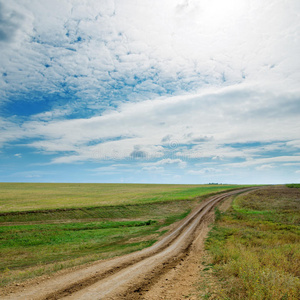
39	196
255	246
86	222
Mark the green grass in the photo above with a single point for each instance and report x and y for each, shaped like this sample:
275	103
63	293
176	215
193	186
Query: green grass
160	209
293	185
31	250
256	246
58	242
44	196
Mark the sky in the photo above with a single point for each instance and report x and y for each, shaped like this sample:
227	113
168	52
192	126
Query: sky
174	91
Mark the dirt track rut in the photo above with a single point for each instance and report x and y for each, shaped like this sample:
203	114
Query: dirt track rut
129	276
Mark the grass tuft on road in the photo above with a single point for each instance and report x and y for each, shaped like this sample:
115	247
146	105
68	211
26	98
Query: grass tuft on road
255	246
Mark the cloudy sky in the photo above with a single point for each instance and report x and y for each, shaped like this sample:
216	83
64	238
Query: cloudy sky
173	91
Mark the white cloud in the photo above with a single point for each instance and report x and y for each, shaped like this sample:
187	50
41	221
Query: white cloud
153	169
204	171
31	174
112	169
110	51
10	131
53	114
294	144
209	123
167	161
265	167
266	161
292	164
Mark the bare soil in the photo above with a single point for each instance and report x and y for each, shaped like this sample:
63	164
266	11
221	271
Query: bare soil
166	270
192	273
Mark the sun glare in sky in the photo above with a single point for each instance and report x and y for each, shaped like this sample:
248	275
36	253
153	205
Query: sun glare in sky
219	13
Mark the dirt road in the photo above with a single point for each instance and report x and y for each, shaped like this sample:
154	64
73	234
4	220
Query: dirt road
133	276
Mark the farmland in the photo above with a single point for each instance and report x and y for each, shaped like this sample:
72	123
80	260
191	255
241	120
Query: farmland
50	227
38	196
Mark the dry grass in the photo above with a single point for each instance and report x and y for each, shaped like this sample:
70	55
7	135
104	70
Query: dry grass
256	246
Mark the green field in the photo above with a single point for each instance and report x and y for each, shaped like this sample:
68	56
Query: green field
49	227
255	246
293	185
37	196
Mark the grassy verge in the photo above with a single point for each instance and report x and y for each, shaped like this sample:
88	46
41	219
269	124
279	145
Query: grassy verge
255	246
